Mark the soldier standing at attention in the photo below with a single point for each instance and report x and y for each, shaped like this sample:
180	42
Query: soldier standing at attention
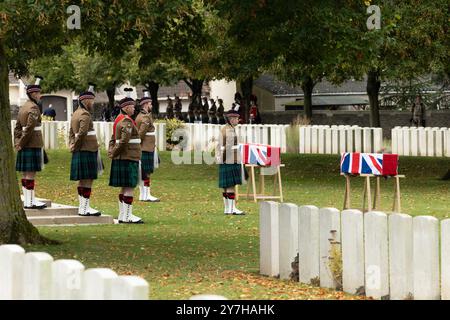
149	157
125	152
169	110
86	162
29	144
220	112
230	173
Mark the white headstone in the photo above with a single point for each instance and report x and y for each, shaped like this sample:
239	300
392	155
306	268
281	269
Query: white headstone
406	141
66	279
308	244
328	141
37	282
129	288
301	138
422	141
367	140
430	142
342	140
401	256
352	251
288	233
445	259
400	141
447	143
330	232
376	254
414	142
335	140
377	139
439	138
269	239
350	140
394	140
321	140
358	139
314	140
308	139
97	284
426	258
11	272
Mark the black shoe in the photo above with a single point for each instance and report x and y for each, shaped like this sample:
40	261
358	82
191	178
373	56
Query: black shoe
130	222
37	207
98	214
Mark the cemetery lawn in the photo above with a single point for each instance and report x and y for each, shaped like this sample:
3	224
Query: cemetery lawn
188	246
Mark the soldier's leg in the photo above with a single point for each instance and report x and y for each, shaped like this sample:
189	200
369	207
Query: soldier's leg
143	192
226	202
84	196
28	188
148	184
128	216
232	196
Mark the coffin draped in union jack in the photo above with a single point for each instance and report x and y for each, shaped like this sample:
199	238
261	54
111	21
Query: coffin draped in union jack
259	154
378	164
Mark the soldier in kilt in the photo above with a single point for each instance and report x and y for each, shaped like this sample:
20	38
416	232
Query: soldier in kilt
230	168
146	129
125	152
29	144
85	154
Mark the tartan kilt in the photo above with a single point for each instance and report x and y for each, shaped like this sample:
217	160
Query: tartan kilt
229	175
147	162
29	160
84	166
124	173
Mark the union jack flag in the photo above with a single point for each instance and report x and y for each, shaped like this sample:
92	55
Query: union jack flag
262	155
369	163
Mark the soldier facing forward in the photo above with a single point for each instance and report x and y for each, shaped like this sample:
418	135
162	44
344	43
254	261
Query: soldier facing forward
86	162
230	173
29	144
125	150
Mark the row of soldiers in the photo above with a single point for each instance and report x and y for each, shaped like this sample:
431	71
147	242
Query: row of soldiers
131	148
206	112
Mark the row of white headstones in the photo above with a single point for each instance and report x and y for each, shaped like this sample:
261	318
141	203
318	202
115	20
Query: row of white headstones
391	256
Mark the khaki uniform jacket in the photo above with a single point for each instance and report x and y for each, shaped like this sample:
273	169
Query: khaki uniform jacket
228	144
122	149
144	123
80	125
29	117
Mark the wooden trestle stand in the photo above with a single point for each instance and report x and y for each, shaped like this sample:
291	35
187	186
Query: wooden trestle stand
367	195
252	183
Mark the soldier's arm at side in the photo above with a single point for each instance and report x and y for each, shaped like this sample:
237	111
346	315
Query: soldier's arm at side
17	135
143	128
82	132
122	138
28	131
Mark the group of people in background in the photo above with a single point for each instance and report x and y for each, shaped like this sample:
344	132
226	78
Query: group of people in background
206	110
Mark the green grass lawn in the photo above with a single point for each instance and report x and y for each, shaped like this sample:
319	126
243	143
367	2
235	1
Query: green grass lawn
188	246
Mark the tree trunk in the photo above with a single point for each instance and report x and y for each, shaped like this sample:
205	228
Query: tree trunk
153	88
110	92
373	91
307	87
14	226
247	90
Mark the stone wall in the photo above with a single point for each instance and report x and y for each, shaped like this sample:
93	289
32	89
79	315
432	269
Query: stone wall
389	119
